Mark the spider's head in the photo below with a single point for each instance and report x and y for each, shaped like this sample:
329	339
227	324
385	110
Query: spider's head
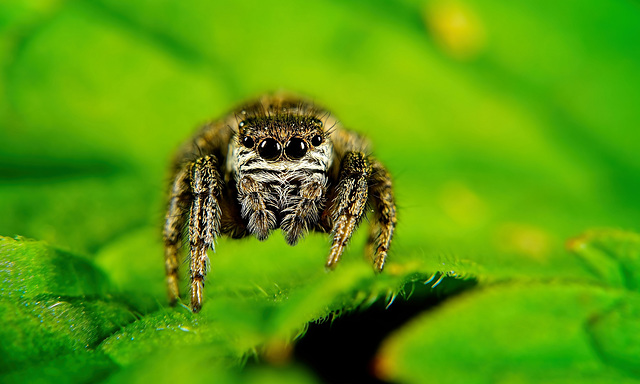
281	134
282	137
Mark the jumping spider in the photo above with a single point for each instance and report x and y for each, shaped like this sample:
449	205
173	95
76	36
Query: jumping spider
278	162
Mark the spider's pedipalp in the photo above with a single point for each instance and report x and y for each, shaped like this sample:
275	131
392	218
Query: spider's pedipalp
306	209
260	219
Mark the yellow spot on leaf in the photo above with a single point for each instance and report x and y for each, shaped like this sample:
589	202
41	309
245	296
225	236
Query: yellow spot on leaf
455	28
524	239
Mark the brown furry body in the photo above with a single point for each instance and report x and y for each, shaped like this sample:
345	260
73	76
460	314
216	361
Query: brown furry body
278	162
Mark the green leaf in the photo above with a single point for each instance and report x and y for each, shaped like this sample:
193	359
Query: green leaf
612	255
615	336
551	331
60	306
75	367
512	333
54	304
30	268
251	298
201	364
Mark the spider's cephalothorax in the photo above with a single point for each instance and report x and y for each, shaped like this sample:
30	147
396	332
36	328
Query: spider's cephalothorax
278	162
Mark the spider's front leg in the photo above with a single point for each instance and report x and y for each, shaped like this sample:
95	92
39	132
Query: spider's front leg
349	202
200	185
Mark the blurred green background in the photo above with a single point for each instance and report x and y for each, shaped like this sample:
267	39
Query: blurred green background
509	127
501	122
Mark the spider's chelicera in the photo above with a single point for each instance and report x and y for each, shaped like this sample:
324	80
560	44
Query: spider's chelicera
278	162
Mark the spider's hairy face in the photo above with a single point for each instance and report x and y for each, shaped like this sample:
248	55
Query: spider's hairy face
280	160
280	142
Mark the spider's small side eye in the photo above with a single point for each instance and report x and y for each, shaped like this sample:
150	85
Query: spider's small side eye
247	142
269	149
295	148
241	124
316	140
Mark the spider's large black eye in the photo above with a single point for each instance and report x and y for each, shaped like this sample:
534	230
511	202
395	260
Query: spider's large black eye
247	142
269	149
316	140
295	148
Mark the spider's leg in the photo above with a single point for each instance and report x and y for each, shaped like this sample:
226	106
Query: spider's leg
204	224
384	223
309	204
349	202
179	201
